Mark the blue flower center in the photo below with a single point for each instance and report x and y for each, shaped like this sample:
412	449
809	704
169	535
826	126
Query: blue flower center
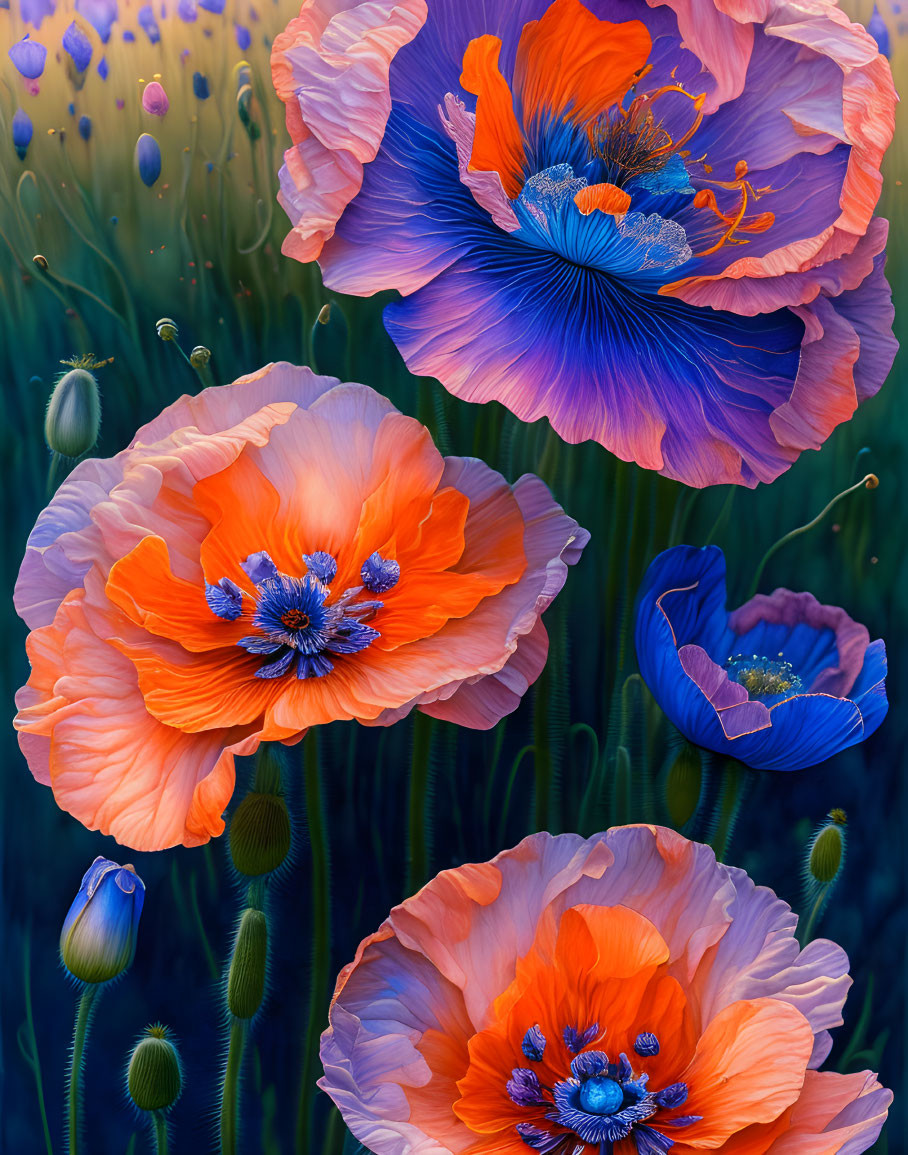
763	677
298	621
601	1096
599	1102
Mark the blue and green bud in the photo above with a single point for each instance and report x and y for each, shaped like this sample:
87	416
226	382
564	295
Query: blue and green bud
98	940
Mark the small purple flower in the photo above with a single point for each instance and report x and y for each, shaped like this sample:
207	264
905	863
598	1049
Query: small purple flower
149	24
243	37
85	127
100	14
200	85
78	46
29	57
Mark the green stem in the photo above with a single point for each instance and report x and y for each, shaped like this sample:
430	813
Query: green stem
728	807
420	770
814	915
74	1088
31	1056
159	1125
231	1088
321	939
870	481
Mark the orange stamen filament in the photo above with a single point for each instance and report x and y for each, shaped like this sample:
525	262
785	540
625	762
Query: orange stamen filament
734	222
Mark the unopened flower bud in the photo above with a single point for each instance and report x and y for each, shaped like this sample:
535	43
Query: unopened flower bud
98	940
827	851
683	785
199	357
154	1077
167	329
259	834
73	416
246	979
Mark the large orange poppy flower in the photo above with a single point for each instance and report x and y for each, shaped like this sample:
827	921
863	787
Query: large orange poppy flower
265	557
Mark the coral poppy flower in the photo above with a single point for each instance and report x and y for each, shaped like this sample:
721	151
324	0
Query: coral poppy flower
780	683
650	222
622	994
265	557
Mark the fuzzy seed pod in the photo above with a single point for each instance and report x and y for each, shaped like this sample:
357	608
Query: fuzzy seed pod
246	980
259	834
154	1077
827	853
73	416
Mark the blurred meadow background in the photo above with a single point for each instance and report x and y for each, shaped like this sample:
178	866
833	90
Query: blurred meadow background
91	258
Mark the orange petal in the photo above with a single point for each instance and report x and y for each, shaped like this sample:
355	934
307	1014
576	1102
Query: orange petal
143	585
608	198
113	766
498	141
749	1067
573	66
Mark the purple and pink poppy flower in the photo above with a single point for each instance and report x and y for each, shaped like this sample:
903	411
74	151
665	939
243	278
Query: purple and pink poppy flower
651	222
624	994
780	683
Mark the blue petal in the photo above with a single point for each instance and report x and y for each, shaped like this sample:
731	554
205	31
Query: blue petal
869	690
277	668
697	610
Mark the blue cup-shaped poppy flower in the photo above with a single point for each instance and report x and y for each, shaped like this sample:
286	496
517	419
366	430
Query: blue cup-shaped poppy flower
98	940
781	683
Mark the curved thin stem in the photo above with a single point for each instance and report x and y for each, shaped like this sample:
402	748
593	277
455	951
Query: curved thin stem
74	1087
869	481
231	1088
31	1055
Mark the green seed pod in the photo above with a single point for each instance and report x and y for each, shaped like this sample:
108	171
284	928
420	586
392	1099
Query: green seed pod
259	834
73	416
329	342
154	1078
827	853
167	329
199	357
246	980
683	785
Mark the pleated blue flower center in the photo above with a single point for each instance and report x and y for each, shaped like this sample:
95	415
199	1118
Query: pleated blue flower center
600	1102
298	622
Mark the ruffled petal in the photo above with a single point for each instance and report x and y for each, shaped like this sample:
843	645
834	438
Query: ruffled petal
688	392
330	67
